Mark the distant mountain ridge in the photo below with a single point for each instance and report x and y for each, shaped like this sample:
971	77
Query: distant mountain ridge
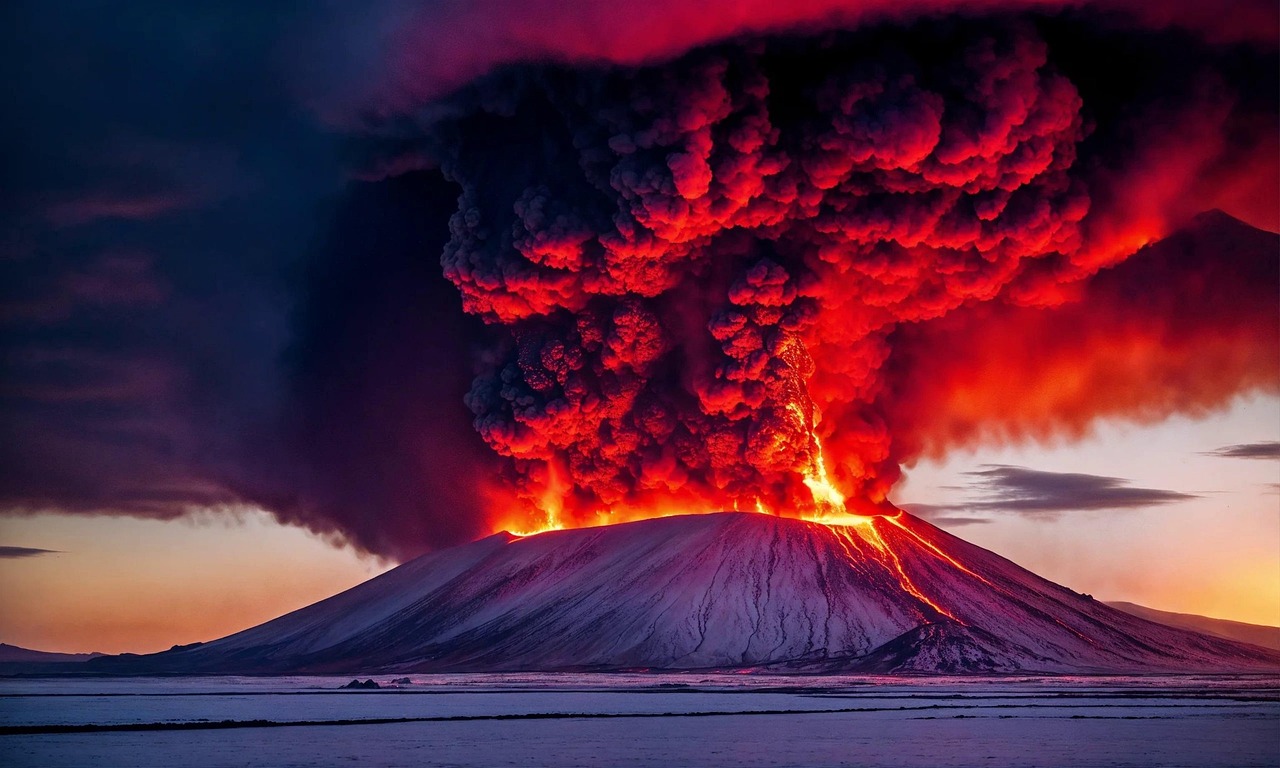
718	591
1261	635
15	654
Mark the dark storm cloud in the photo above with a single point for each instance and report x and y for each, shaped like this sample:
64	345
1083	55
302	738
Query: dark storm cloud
13	553
379	448
159	183
955	521
1263	450
196	310
1003	488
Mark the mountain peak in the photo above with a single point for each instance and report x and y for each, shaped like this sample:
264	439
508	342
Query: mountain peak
724	590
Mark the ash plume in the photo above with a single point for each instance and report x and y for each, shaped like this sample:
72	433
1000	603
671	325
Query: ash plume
691	244
1182	326
706	268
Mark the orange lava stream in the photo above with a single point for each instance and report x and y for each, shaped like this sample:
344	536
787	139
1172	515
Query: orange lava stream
889	559
937	552
944	556
825	493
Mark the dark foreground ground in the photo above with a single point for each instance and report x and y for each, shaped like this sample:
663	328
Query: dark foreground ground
641	720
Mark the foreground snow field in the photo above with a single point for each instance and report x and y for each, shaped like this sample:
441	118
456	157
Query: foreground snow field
642	720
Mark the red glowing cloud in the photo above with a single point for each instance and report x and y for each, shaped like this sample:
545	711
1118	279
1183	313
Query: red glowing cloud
1168	331
714	268
438	48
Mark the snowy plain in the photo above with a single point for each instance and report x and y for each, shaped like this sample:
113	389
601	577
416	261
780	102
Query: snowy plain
644	719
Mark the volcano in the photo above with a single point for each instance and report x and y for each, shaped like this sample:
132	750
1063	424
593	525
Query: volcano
716	591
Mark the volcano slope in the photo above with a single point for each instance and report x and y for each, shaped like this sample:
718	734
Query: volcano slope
883	594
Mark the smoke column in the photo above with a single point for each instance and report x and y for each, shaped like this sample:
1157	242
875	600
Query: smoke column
703	266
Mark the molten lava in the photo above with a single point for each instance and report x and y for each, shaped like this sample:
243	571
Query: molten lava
828	506
825	494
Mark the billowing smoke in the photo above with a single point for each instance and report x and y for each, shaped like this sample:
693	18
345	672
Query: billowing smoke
687	251
703	265
1166	332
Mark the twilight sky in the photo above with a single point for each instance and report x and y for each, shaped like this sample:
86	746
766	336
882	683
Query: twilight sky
236	376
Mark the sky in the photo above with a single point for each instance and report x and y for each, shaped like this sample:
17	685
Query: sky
290	294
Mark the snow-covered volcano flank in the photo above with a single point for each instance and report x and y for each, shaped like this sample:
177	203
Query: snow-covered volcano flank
713	591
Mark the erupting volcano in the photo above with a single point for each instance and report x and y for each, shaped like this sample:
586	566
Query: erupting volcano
611	383
885	593
739	287
761	276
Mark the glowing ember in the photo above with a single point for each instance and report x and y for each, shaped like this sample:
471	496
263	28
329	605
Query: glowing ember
830	504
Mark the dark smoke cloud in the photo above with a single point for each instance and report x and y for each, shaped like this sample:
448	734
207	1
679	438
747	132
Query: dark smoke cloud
199	309
1264	450
681	254
1037	493
397	54
13	553
381	450
198	312
156	182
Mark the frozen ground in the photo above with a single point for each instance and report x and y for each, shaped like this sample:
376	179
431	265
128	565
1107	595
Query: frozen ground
642	720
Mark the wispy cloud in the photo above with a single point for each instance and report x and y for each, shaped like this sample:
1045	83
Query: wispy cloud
1263	450
940	514
1003	488
957	521
10	553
